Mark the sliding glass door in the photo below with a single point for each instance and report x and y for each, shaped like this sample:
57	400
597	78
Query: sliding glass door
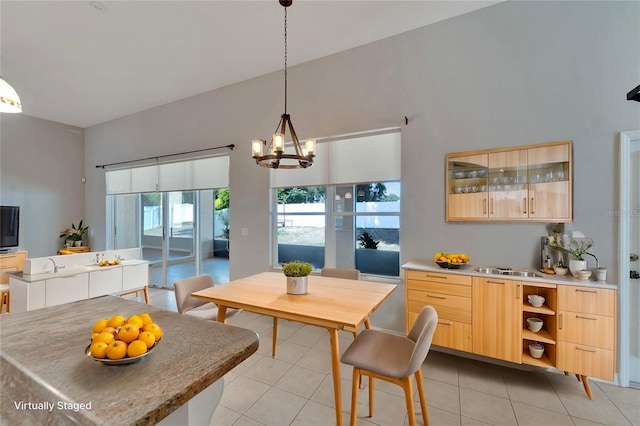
182	233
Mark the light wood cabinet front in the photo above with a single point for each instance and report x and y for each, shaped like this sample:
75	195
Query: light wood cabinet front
497	319
450	296
11	262
587	331
530	183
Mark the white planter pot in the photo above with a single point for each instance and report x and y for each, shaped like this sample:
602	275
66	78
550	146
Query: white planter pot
577	265
77	243
297	285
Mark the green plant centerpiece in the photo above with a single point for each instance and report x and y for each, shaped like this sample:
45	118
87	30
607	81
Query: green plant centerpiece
297	272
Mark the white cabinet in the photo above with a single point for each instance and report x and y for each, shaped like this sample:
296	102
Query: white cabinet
26	296
66	289
135	276
105	281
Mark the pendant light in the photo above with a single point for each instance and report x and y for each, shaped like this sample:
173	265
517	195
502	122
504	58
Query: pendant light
274	156
9	99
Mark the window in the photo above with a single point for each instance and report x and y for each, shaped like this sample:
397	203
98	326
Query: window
347	226
345	210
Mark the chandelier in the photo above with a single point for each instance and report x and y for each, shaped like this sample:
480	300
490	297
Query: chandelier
274	156
9	99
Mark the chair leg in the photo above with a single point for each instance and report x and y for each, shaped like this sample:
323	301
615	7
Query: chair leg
423	400
354	396
408	394
275	336
372	386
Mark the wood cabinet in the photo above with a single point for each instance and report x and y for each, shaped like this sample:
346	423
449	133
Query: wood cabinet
587	331
11	262
530	183
450	295
80	249
497	322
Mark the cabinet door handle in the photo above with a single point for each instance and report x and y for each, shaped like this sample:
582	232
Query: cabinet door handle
490	205
437	276
585	349
495	282
586	291
484	206
436	297
560	322
524	205
518	292
443	322
531	207
587	318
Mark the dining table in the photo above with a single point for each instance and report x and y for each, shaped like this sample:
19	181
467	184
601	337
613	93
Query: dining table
332	303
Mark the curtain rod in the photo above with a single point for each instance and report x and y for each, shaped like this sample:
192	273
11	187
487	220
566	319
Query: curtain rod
102	166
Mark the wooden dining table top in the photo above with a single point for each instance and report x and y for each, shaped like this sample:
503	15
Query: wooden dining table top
330	302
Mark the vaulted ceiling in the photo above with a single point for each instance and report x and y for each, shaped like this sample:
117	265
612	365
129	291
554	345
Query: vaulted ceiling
85	62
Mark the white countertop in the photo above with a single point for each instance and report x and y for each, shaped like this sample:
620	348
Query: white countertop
75	270
468	270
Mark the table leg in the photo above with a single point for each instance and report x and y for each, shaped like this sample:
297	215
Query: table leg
146	294
335	367
222	313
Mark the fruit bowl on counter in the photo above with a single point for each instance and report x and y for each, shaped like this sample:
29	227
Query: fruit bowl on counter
450	260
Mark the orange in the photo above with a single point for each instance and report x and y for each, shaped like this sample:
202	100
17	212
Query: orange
155	329
115	321
104	337
100	325
109	330
148	338
128	333
146	319
94	335
117	349
135	319
99	349
137	347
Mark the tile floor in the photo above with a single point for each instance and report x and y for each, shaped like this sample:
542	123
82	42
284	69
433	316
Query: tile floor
296	388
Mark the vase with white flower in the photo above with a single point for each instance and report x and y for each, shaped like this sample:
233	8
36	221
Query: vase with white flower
73	236
576	247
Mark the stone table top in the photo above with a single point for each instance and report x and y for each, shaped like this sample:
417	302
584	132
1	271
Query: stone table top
43	365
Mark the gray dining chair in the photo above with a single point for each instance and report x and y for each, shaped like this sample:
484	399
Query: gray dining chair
393	358
346	273
192	306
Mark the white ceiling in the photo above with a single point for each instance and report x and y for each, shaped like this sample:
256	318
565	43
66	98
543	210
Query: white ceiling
76	64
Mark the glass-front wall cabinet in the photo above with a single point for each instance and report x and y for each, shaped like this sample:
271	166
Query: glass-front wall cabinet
529	183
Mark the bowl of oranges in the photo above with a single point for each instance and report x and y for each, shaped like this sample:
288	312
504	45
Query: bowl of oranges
119	340
450	260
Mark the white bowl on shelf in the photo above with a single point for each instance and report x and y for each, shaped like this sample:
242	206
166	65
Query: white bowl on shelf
536	350
536	300
584	274
534	324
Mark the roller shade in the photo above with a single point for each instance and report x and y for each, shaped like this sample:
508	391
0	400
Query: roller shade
202	173
370	158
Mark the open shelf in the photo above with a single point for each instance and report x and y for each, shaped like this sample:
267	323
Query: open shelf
538	362
541	336
544	309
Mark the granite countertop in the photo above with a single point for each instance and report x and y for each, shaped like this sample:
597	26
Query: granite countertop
70	271
42	359
430	266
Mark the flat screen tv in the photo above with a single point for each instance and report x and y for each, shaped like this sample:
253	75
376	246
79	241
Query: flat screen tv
9	227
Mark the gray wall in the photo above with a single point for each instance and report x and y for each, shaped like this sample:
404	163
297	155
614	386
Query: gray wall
41	170
512	74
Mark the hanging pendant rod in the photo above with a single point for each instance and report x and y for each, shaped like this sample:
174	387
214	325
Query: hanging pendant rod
157	157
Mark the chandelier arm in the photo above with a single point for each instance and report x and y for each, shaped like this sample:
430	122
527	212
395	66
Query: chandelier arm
294	137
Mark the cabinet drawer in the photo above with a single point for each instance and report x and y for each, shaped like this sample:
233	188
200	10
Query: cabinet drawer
587	329
66	289
438	277
454	335
440	287
586	360
597	301
451	308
